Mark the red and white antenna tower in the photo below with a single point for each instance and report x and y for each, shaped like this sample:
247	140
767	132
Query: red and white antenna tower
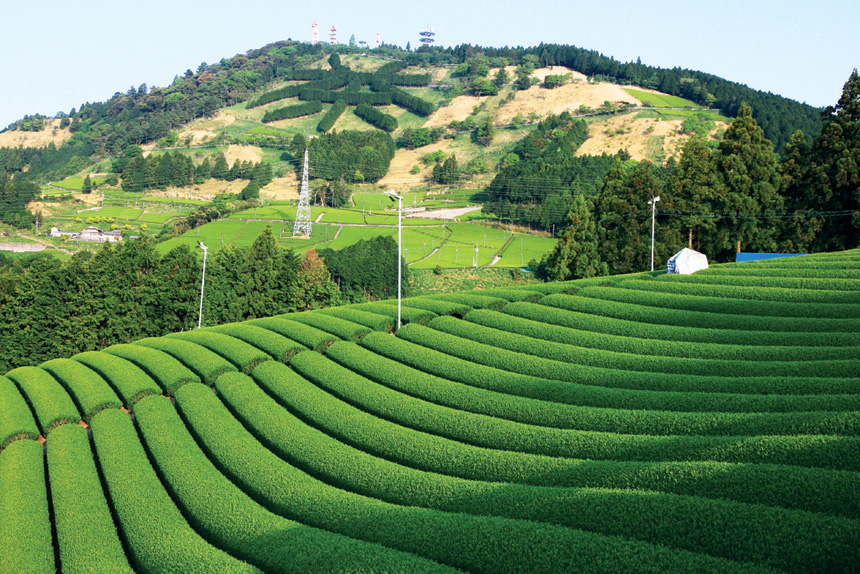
333	35
315	35
378	41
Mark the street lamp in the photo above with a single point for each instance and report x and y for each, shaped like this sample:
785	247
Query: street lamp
399	198
202	283
653	203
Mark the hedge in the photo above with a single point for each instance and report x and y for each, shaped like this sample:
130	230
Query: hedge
733	530
740	292
684	318
822	451
308	336
438	390
328	120
534	321
798	272
369	99
411	102
273	344
376	118
243	356
90	392
340	328
203	362
307	74
392	67
501	338
472	543
144	509
630	292
515	362
167	371
628	328
26	544
834	492
51	404
437	306
373	321
509	294
849	285
290	91
408	313
76	494
576	284
460	370
232	520
472	300
295	111
16	421
129	381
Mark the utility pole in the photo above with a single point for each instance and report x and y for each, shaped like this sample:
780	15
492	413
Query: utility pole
393	196
202	283
653	201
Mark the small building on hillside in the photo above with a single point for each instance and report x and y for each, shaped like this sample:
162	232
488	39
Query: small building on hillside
96	235
686	262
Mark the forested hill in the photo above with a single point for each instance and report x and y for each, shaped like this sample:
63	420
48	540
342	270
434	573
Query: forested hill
142	115
779	117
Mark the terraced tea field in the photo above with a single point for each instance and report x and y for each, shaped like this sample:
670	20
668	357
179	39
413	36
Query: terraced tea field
642	423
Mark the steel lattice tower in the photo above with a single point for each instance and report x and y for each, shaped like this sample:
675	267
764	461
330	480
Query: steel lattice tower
303	215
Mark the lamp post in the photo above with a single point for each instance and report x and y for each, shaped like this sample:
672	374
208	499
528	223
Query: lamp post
202	283
653	202
393	196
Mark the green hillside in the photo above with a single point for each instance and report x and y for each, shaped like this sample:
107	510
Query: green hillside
649	422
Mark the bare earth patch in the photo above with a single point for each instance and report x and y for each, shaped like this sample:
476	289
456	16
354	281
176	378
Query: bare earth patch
604	137
243	153
459	109
282	188
51	134
203	130
206	191
569	97
404	159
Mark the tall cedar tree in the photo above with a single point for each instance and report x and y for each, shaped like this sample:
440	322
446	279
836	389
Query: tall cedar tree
749	189
834	178
576	255
694	183
800	229
624	220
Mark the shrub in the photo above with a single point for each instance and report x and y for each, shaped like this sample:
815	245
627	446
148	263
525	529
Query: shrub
243	356
129	381
267	341
26	543
144	509
296	111
308	336
76	492
17	421
328	120
51	403
90	392
167	371
203	362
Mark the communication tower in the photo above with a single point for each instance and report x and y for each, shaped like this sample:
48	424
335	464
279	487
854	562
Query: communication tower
332	36
427	36
303	214
378	41
315	35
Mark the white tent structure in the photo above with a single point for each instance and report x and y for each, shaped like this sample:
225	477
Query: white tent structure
686	262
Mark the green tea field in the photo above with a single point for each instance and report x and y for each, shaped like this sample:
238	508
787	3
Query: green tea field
655	423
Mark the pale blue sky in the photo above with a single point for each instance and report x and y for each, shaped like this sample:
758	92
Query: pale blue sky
56	55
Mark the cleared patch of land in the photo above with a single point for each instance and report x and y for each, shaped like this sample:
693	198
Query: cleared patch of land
51	134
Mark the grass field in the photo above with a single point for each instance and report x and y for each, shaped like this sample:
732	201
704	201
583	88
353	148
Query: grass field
649	99
77	183
699	424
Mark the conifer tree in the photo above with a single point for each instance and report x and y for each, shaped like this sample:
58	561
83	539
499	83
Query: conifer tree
750	186
834	182
694	183
576	255
88	185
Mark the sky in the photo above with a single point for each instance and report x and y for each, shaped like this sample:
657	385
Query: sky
57	55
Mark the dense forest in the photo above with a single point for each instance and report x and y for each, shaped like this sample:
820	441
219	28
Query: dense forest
354	156
122	293
740	196
366	270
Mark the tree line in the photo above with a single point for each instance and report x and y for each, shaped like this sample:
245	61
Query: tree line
739	196
124	292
